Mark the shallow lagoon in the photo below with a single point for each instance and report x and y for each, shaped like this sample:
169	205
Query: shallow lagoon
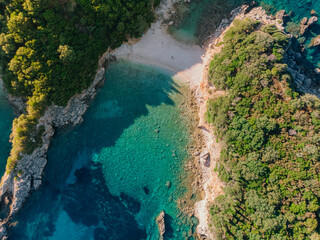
111	176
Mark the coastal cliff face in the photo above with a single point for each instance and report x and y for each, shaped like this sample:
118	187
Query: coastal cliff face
17	184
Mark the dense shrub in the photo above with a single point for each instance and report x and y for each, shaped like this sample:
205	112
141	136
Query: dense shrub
270	162
49	49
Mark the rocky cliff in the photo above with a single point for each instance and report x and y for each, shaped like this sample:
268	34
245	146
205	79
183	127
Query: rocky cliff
27	176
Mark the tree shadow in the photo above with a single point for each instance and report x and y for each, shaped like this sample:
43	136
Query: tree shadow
88	203
86	197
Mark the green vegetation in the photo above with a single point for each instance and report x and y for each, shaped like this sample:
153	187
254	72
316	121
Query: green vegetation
270	159
49	50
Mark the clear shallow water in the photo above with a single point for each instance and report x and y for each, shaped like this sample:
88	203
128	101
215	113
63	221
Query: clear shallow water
6	117
201	17
108	178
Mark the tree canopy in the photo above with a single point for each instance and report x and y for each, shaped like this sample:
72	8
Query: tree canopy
270	133
50	48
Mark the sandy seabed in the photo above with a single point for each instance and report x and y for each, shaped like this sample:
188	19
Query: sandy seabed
189	63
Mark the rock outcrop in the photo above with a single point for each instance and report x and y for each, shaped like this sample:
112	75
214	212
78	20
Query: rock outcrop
306	23
315	41
27	176
161	224
280	14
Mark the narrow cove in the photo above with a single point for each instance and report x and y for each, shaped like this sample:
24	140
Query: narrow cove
111	176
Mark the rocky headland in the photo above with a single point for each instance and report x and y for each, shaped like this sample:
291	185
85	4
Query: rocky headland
17	185
209	156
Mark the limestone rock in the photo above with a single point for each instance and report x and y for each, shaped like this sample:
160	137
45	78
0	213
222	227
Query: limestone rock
312	20
18	103
280	14
161	224
205	158
3	230
305	23
315	41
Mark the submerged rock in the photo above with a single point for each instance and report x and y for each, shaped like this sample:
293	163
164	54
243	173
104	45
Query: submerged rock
205	158
161	224
292	132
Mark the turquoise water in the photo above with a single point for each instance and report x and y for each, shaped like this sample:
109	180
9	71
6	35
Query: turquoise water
6	117
111	176
300	9
202	17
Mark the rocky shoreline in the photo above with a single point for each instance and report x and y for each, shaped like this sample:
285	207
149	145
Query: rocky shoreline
207	159
17	185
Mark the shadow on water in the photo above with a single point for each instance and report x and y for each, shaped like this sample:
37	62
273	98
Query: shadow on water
169	230
97	207
6	118
76	185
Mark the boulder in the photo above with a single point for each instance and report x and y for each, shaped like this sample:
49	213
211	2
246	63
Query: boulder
315	41
305	23
161	224
205	158
280	15
292	132
312	20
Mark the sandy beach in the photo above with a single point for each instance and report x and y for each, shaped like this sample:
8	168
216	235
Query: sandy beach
156	47
189	64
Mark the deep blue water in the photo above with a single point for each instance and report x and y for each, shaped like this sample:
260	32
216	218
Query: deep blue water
109	177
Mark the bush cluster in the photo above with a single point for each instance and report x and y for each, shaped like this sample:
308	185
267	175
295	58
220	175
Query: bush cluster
49	49
271	142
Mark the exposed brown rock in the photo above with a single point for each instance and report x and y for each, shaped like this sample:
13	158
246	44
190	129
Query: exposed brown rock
305	23
315	41
161	224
